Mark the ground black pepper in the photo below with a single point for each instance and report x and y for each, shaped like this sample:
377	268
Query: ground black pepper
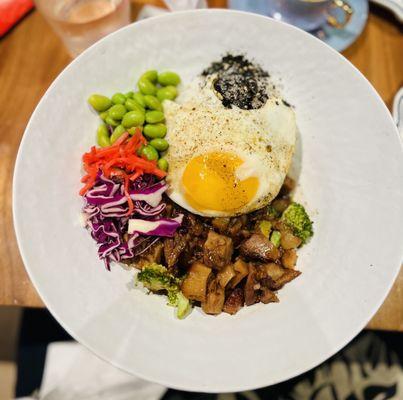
239	82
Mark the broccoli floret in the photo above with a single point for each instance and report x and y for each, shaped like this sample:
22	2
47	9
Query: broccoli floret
157	278
296	218
275	238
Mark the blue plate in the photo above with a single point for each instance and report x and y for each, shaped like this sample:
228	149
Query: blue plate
339	39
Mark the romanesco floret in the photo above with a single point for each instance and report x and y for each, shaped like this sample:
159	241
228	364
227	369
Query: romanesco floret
298	220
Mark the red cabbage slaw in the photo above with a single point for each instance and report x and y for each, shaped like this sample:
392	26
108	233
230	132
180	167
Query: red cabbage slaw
105	212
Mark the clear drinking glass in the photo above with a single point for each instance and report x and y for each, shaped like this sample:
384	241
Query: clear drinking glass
80	23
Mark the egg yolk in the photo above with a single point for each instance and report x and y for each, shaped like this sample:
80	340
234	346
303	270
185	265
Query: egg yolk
210	183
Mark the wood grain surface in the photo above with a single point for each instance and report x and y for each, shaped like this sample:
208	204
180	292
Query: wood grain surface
31	56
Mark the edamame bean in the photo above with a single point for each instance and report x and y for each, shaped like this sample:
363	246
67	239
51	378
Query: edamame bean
162	163
139	98
132	130
129	95
168	78
149	153
133	118
132	105
146	86
117	133
99	103
153	131
151	75
117	111
152	103
152	117
103	136
118	98
110	121
103	115
159	144
167	93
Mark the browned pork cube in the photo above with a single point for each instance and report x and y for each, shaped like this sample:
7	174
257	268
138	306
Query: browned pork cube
260	248
194	286
217	250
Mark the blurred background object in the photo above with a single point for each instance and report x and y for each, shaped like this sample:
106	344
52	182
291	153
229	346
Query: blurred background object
80	23
11	11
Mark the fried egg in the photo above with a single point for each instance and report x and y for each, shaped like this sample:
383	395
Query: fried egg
226	161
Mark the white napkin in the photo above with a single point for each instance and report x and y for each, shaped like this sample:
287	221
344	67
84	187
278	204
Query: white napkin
74	373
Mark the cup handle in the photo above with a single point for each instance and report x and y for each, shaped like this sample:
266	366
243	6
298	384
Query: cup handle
348	13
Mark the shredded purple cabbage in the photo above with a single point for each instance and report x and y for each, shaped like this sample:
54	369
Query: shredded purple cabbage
105	209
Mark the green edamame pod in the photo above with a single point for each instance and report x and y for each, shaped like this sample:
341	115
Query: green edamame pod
140	99
103	136
132	105
133	118
146	86
118	98
149	153
167	93
159	144
129	95
152	103
151	75
132	130
153	117
117	133
162	163
168	78
99	103
117	111
110	121
153	131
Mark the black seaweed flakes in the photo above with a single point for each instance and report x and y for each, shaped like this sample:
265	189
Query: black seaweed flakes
239	82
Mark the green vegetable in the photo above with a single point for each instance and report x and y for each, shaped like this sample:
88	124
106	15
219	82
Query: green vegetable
152	131
140	99
168	78
117	133
118	98
103	136
154	116
151	75
110	121
103	115
153	103
132	130
159	144
157	278
167	93
99	103
296	218
117	111
265	227
146	86
275	238
162	163
129	95
149	152
183	305
132	105
133	118
271	213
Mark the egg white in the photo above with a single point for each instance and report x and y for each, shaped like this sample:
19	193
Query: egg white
263	138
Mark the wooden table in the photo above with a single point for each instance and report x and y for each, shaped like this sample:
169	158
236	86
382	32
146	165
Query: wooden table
31	56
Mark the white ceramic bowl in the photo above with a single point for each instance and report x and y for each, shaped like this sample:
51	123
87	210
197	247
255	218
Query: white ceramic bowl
351	175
